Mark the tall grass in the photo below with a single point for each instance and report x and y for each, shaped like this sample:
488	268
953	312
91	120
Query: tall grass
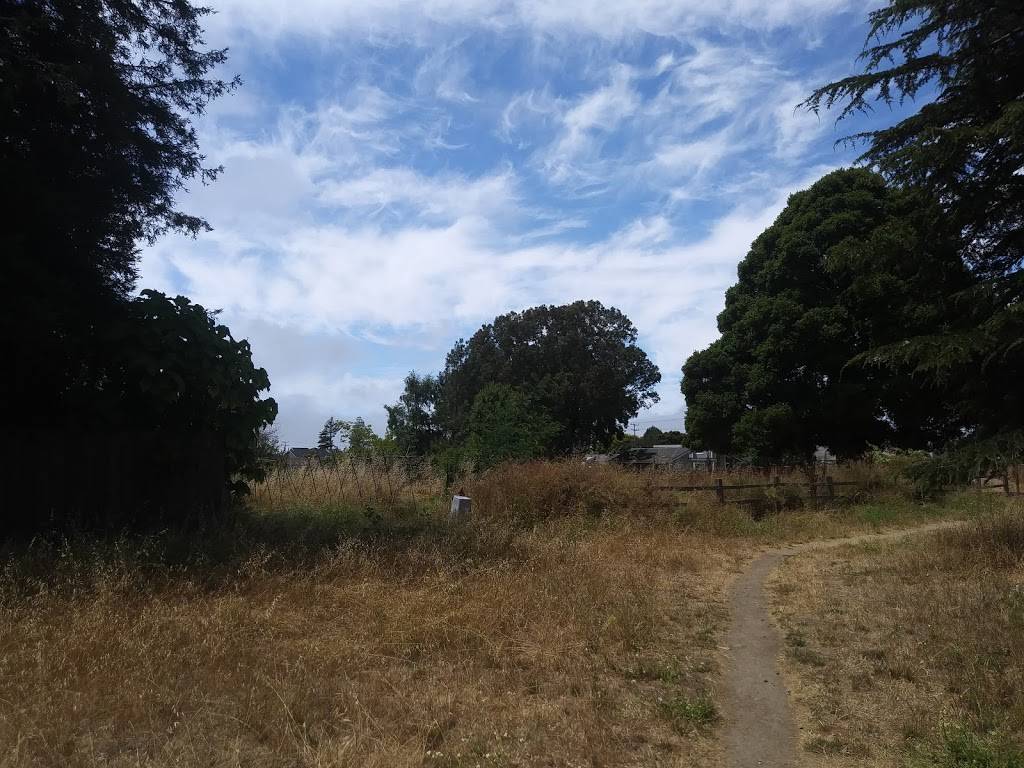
286	636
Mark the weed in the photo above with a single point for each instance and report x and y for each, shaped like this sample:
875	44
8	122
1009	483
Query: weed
961	747
694	712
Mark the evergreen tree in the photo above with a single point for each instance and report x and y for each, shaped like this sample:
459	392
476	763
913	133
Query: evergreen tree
964	148
96	142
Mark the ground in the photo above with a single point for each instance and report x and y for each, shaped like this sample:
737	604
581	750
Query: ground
580	619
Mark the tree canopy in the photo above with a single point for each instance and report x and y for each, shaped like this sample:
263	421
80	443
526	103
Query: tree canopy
848	265
411	421
96	103
171	366
964	148
577	363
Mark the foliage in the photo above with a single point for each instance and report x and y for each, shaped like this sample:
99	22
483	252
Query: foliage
505	426
326	440
96	100
655	436
361	438
357	436
964	462
269	446
964	148
578	363
411	421
849	264
171	366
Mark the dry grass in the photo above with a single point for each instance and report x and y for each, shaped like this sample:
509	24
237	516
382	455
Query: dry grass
911	652
340	622
530	638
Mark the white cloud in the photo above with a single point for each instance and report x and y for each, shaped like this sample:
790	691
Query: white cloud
445	196
408	202
415	18
574	156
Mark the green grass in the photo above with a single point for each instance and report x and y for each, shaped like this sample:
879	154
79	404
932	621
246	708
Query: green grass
962	748
683	710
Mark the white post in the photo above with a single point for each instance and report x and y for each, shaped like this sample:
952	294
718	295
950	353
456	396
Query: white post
460	511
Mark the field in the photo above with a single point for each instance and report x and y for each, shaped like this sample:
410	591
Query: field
910	653
575	621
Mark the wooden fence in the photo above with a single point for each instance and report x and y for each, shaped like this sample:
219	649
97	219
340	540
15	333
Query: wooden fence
818	490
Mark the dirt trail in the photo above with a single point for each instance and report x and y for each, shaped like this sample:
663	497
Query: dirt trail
759	726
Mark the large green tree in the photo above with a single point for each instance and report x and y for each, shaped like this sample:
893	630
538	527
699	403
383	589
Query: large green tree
579	363
848	265
96	142
964	148
172	367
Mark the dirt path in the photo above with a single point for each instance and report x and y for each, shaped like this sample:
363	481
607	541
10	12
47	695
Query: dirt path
759	726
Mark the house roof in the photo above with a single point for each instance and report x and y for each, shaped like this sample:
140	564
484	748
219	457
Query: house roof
659	455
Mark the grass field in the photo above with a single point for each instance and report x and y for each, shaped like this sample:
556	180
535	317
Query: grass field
911	653
575	621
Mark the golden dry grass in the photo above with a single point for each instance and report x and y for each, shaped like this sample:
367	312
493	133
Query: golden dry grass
910	652
575	621
574	638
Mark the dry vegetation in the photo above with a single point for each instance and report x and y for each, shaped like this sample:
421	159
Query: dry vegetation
573	640
911	653
340	622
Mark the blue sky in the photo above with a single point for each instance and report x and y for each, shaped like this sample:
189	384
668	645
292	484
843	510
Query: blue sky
397	173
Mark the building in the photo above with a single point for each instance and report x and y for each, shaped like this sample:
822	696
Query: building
664	457
299	457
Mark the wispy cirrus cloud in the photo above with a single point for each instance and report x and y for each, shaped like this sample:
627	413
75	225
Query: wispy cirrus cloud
397	173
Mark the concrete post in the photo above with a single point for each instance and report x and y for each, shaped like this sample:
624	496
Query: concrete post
460	511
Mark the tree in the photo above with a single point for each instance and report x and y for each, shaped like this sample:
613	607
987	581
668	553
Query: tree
362	440
411	421
578	362
326	441
96	102
672	437
848	265
269	446
505	426
964	148
170	367
652	436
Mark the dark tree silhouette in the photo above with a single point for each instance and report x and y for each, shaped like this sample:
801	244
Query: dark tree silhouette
849	264
96	142
964	147
578	363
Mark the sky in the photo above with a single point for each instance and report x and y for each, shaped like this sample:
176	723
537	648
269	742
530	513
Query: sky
398	173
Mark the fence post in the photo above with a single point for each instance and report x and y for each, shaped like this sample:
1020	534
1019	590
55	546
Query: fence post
831	488
720	491
814	491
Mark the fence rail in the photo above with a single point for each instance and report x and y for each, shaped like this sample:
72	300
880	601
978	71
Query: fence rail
826	485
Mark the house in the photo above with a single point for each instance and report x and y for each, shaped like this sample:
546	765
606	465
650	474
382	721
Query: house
660	456
299	457
822	455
